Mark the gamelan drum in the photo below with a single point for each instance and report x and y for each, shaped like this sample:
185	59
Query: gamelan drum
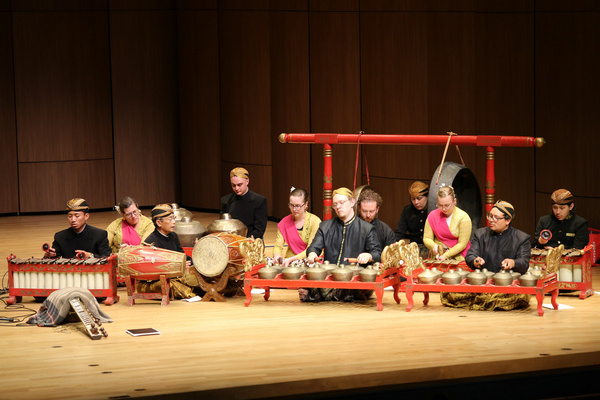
149	262
216	251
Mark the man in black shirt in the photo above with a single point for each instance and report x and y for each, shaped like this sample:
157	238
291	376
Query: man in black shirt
164	235
412	220
369	202
565	227
244	204
80	238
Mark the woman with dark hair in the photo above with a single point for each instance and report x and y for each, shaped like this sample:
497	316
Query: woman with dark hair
297	229
131	229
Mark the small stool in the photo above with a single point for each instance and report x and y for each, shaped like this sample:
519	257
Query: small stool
133	294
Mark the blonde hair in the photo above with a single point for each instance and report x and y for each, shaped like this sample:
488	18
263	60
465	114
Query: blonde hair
446	191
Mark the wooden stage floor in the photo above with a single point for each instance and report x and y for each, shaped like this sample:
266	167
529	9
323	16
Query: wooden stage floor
283	348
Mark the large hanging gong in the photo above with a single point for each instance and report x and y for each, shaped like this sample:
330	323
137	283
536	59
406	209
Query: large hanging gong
466	188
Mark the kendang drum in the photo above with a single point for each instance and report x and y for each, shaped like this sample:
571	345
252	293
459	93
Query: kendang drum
213	253
149	262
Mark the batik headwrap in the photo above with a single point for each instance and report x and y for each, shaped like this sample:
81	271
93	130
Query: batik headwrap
77	204
561	197
344	192
240	173
506	208
161	210
418	188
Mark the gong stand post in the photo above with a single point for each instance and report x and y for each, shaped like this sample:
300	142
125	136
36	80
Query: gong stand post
328	139
490	180
213	289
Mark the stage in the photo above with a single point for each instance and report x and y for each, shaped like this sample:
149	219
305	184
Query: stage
283	348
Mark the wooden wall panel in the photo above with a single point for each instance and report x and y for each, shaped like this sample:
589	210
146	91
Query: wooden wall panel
394	89
199	113
567	100
245	87
289	107
9	196
48	186
335	92
62	80
504	105
145	106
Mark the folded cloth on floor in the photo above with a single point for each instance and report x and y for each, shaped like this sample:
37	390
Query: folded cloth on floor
56	307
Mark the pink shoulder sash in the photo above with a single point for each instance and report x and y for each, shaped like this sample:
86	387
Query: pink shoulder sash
441	230
287	227
130	236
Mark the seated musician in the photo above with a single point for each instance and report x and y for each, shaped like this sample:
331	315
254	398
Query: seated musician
411	224
297	229
448	229
244	204
566	227
345	236
369	202
496	247
131	229
80	238
164	237
500	246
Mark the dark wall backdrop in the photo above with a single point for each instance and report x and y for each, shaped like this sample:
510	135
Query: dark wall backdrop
159	99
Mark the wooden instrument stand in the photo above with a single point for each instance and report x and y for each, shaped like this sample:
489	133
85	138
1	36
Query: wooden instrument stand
132	293
390	277
214	288
547	285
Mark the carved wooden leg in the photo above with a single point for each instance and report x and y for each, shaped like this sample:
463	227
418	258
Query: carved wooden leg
409	297
267	293
553	299
164	290
248	293
396	287
425	298
379	294
539	295
130	283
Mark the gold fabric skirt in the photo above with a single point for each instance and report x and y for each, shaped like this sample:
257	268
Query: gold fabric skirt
485	301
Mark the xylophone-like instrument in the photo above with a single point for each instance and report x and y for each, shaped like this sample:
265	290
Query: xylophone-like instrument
575	269
39	277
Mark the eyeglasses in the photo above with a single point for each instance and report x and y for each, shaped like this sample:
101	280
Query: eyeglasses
341	203
132	214
296	206
492	217
444	206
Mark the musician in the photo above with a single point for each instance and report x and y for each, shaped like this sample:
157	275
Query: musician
244	204
80	237
500	246
297	229
345	236
411	224
496	247
131	229
567	228
447	229
164	235
369	202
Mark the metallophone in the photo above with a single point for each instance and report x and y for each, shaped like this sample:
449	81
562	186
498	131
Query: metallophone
413	265
92	325
574	271
39	277
387	276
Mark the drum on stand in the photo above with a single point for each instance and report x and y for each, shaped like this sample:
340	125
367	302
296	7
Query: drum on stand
216	251
466	188
149	262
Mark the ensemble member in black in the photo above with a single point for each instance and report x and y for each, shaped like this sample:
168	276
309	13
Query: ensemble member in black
412	220
345	236
369	202
164	235
500	246
80	237
244	204
567	228
496	247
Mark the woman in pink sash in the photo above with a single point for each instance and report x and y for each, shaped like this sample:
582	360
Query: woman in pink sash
448	229
297	229
131	229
